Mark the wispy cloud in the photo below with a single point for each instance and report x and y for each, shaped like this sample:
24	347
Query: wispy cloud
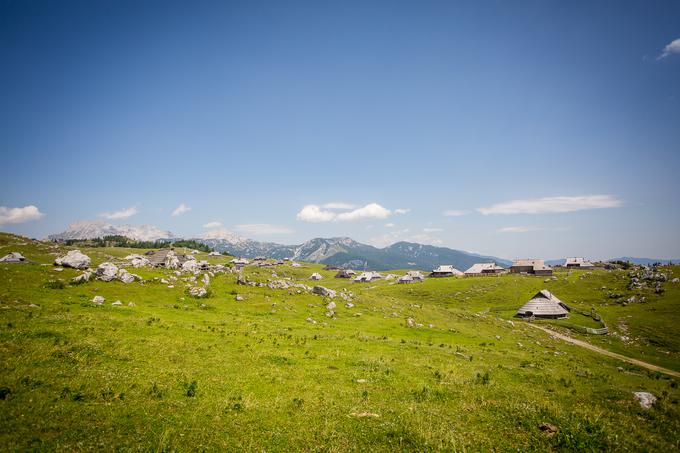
211	225
19	215
529	229
315	213
181	209
403	235
402	211
671	48
122	214
389	225
259	229
432	230
454	213
553	204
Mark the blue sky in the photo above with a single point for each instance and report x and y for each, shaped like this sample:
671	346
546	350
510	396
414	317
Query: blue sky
248	112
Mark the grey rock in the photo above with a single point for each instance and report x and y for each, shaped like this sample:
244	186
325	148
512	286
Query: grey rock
107	271
646	399
74	259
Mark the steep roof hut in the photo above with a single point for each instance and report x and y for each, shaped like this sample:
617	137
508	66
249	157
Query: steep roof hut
316	276
578	263
544	305
484	269
531	266
345	273
416	276
405	279
445	271
368	277
13	257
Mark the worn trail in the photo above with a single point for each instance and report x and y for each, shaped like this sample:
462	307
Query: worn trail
599	350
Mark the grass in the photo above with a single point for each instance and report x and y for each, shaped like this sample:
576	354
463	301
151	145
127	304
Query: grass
178	373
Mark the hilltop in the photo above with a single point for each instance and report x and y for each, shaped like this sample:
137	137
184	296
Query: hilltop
269	365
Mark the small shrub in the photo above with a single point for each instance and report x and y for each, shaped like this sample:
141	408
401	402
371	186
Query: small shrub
483	379
5	392
55	284
190	388
155	391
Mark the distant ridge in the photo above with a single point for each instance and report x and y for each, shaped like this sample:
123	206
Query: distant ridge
339	251
645	261
92	229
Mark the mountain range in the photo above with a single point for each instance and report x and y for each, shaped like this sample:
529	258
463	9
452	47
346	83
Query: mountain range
92	229
340	252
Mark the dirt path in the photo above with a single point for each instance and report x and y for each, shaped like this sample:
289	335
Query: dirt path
599	350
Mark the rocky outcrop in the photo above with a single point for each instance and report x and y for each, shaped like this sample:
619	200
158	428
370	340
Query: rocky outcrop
137	260
323	291
126	277
107	271
82	278
74	259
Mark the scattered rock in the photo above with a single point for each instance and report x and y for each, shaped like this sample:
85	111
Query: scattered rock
349	305
126	277
107	271
74	259
132	304
331	306
410	322
548	429
33	306
82	278
198	291
323	291
646	399
98	300
117	303
239	298
311	321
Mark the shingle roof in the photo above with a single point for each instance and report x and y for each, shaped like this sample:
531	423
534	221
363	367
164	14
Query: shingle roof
447	269
544	303
479	267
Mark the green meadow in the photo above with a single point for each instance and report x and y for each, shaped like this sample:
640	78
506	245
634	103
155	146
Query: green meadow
273	372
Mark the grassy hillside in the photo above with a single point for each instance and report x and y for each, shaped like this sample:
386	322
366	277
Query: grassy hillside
177	373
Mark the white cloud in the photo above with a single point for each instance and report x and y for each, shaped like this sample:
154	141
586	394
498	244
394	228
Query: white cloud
315	213
257	229
553	204
370	211
529	229
338	205
403	235
181	209
389	225
19	215
211	225
222	233
671	48
401	211
122	214
454	213
432	230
